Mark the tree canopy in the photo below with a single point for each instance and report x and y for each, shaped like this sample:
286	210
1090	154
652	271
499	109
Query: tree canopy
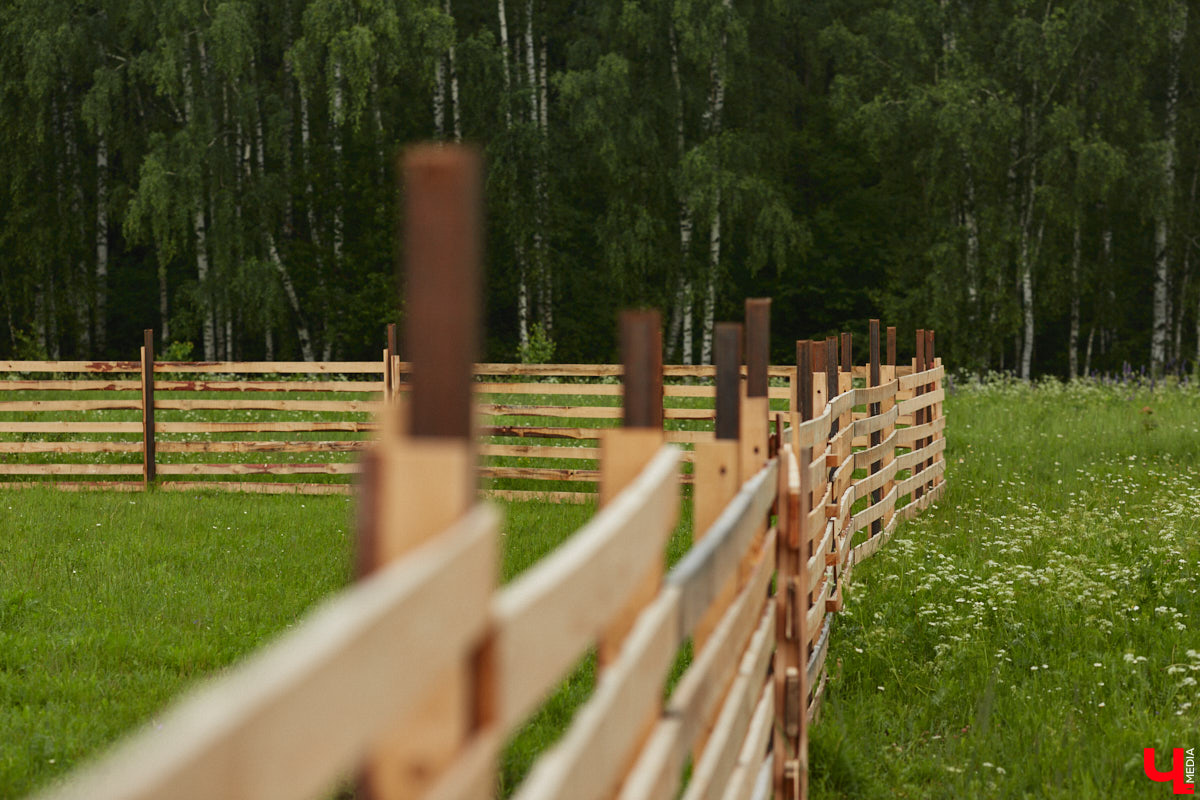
1022	177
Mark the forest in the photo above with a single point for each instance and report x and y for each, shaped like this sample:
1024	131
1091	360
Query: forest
1020	176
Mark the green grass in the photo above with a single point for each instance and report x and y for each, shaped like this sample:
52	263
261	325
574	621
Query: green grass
101	625
111	604
1032	634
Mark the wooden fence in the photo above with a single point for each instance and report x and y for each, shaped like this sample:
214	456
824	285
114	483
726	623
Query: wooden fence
300	427
412	679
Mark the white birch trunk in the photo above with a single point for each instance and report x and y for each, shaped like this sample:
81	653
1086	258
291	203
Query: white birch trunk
506	58
1158	342
289	291
1073	336
164	318
101	301
457	115
683	299
439	99
200	229
522	270
715	111
689	313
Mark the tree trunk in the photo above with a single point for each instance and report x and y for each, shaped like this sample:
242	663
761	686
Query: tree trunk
522	270
715	110
683	301
101	300
457	115
1073	336
289	290
439	99
164	320
1162	233
689	314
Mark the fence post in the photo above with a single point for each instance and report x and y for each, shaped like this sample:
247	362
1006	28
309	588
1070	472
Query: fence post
149	466
790	668
625	452
935	409
919	416
756	407
716	465
889	375
874	380
423	476
389	389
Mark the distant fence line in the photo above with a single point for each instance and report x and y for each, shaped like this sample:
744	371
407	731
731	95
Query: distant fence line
527	420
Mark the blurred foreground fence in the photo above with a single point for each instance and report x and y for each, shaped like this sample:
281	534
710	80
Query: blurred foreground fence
411	681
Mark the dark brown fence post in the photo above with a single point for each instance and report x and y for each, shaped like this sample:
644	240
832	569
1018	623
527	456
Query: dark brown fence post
804	378
873	410
625	452
756	408
149	457
423	477
716	465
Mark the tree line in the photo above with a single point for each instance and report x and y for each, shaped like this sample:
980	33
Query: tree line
1022	177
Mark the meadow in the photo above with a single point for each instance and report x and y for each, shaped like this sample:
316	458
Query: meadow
1024	639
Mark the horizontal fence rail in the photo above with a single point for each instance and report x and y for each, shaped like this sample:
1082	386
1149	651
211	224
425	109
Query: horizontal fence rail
539	437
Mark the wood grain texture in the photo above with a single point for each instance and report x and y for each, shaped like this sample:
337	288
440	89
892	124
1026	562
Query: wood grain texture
556	610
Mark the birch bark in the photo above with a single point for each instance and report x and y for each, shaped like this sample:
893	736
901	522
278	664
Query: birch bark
1162	232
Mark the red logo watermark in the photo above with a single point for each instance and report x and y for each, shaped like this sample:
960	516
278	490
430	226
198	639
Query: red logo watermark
1183	769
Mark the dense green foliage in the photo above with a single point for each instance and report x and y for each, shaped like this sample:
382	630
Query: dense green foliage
1020	176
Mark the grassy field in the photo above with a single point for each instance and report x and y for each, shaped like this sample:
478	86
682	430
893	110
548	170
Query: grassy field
1030	636
965	665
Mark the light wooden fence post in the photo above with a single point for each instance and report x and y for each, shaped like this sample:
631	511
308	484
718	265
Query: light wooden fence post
389	389
873	410
934	410
625	452
149	471
790	667
718	476
423	478
920	416
889	375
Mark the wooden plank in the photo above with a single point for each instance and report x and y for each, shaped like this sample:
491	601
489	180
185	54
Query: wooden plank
753	749
70	447
864	458
874	511
906	437
76	486
267	367
705	568
314	385
70	469
922	401
909	484
543	432
258	487
910	380
280	446
539	451
542	473
70	386
553	612
864	427
70	366
582	412
875	394
717	480
576	389
348	426
589	762
327	468
290	721
334	406
915	457
149	467
37	406
712	771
